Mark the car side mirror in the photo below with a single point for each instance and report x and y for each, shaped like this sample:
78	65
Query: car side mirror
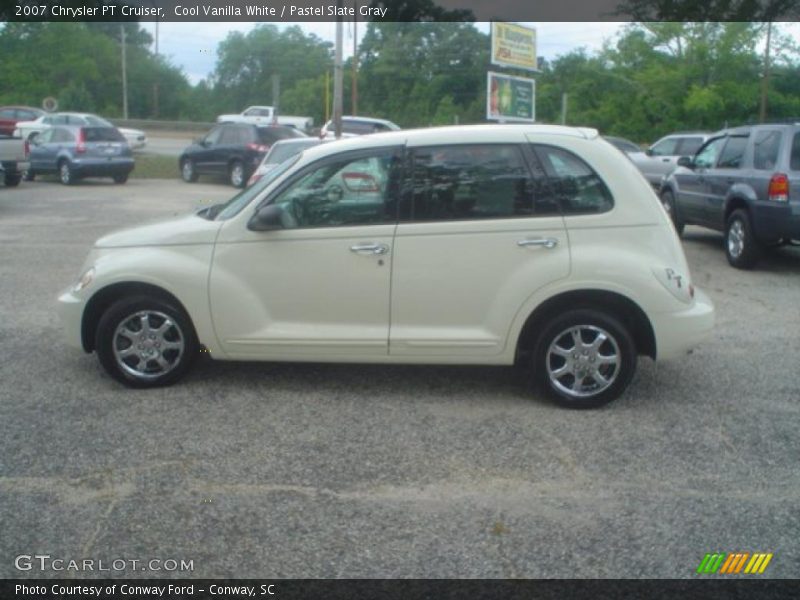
686	161
266	218
649	152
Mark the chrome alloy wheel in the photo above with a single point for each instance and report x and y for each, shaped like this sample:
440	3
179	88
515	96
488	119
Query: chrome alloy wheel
148	344
583	361
736	239
237	175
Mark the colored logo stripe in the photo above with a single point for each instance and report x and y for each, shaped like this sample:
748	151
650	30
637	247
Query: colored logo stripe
733	563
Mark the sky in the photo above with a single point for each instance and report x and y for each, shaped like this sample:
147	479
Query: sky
193	46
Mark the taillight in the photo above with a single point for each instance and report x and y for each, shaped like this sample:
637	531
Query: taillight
81	147
257	147
778	188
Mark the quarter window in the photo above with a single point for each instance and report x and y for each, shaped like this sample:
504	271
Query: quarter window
572	184
471	182
353	191
765	149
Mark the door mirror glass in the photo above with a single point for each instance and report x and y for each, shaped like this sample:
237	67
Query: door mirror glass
267	218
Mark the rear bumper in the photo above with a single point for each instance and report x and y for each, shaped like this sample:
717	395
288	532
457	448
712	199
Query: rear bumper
777	220
100	167
679	332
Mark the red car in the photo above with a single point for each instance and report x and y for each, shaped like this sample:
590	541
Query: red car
11	115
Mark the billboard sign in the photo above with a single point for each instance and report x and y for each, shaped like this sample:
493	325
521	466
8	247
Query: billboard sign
514	46
510	98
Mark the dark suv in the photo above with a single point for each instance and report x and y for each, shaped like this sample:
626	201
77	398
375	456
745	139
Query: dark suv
745	182
231	149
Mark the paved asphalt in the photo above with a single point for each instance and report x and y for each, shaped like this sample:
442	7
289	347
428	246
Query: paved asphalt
308	470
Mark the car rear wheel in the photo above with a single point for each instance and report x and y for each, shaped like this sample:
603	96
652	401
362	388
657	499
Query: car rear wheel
584	358
65	173
188	171
237	174
741	246
668	202
121	178
146	342
12	179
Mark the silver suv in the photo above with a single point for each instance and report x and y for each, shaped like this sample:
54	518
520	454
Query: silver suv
662	157
744	181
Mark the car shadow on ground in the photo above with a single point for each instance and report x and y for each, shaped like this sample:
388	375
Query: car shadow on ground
779	259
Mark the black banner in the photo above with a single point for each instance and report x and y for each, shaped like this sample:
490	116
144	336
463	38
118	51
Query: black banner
404	589
405	10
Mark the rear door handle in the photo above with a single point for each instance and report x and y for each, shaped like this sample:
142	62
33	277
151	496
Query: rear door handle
370	249
548	243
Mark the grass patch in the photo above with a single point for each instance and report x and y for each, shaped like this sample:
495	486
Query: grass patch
155	166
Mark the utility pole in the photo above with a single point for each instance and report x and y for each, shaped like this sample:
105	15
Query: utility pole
354	86
337	75
124	75
276	97
762	113
563	108
155	83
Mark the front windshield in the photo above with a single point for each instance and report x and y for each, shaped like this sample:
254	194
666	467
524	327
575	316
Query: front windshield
233	206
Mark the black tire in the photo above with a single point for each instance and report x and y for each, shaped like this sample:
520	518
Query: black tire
741	247
237	174
12	179
162	357
573	376
188	170
29	175
669	204
65	173
121	178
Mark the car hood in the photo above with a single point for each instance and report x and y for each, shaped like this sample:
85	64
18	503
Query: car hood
180	231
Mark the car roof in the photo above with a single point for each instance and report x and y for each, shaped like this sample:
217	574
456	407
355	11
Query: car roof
453	134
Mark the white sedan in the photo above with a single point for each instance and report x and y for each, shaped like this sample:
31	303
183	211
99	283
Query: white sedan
27	129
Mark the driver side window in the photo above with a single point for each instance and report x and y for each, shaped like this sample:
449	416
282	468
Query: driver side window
707	156
355	191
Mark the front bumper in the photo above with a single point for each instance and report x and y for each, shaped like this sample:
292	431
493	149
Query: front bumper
679	332
70	313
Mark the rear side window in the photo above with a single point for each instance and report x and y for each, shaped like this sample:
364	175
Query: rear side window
573	184
794	162
688	146
102	134
486	181
731	157
765	149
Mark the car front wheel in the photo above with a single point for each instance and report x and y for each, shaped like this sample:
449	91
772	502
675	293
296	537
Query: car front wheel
146	342
668	202
12	179
188	171
741	246
584	358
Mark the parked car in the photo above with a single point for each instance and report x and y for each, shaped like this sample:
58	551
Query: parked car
533	244
29	129
231	149
358	126
662	157
744	181
279	152
11	115
265	115
77	152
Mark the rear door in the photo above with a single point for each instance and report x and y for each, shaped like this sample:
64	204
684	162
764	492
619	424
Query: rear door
478	234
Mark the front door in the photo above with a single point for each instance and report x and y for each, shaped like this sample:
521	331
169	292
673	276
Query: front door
318	286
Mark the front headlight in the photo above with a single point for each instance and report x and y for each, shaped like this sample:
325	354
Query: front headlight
84	280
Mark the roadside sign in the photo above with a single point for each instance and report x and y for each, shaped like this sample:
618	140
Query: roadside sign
514	46
50	104
510	98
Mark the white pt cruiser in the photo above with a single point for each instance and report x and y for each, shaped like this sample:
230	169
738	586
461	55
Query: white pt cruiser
495	245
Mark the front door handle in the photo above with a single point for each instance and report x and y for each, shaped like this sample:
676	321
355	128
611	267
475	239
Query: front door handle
370	249
548	243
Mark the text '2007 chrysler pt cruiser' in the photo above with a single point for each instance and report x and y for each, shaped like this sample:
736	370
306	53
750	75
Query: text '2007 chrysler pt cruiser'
491	244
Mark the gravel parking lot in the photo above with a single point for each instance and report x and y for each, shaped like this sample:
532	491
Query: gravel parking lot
307	470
